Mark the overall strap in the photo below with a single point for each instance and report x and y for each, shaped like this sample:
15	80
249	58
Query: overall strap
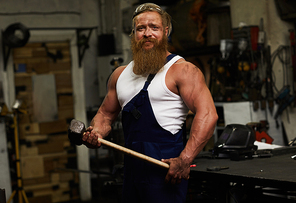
151	76
169	57
148	81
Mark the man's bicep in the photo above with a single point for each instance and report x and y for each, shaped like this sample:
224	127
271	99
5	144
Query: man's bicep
194	90
110	106
111	103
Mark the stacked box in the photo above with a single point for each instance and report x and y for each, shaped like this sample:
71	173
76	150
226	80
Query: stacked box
47	157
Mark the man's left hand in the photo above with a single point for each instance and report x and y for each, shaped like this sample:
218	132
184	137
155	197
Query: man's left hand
178	170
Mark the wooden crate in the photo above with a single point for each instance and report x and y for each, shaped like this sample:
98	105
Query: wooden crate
32	167
45	147
53	127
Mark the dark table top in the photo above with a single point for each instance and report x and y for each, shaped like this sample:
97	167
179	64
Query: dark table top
277	171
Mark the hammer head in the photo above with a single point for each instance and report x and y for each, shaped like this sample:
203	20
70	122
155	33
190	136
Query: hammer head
75	132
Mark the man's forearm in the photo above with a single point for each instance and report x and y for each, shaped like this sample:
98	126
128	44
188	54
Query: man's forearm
101	124
201	132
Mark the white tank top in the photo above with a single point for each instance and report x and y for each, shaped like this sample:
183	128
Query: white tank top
169	109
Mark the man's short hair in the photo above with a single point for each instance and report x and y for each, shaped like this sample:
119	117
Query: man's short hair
166	18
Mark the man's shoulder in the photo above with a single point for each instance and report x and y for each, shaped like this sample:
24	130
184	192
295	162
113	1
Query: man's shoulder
182	63
117	72
183	69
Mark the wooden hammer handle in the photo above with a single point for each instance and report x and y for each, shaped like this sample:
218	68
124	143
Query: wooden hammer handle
133	153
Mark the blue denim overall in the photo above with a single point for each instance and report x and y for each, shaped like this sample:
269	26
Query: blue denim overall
145	182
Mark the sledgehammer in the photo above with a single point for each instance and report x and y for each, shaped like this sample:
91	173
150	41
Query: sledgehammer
77	129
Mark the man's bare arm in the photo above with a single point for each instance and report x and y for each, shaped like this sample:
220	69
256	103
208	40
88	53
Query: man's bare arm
199	100
188	81
100	125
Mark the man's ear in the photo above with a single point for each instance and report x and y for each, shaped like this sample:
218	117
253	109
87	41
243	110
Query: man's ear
132	32
166	31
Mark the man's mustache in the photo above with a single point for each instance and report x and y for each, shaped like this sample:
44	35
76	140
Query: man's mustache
144	40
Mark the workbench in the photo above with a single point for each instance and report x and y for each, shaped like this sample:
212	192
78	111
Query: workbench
277	171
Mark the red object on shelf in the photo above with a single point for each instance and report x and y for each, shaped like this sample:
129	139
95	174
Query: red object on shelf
263	136
251	33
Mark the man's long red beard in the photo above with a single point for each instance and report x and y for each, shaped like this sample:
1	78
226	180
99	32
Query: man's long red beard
149	61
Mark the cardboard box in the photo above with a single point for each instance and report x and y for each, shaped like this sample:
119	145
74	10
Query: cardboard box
29	129
43	199
28	151
53	127
35	181
63	81
66	112
50	147
32	167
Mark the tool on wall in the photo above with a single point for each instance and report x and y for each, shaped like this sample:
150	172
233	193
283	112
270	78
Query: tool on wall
284	99
239	63
269	80
261	61
293	55
226	47
292	142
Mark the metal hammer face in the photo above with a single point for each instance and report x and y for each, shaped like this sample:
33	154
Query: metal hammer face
75	131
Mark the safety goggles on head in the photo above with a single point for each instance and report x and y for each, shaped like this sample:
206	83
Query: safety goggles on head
147	7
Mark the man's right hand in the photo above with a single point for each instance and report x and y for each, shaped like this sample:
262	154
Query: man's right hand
90	138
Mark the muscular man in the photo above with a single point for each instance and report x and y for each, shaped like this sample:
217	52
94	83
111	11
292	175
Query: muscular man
154	93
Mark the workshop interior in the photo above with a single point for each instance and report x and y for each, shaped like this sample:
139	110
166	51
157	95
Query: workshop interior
57	57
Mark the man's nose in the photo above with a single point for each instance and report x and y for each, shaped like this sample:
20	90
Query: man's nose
148	32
